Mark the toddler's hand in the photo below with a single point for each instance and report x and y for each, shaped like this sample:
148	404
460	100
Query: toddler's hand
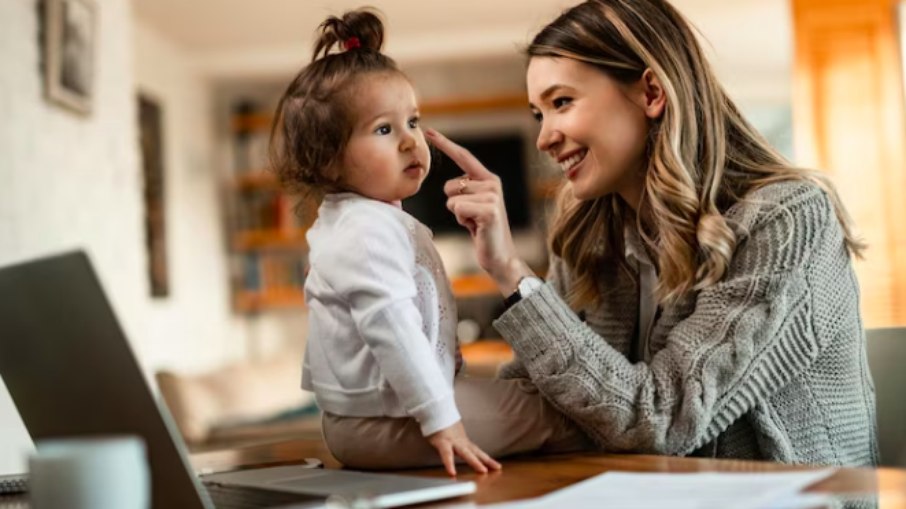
452	441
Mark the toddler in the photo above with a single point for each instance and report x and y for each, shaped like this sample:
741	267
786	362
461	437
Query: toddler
382	356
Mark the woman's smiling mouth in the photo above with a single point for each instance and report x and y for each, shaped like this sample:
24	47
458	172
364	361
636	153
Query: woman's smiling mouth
570	164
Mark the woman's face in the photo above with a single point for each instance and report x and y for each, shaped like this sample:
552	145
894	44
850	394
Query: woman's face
594	127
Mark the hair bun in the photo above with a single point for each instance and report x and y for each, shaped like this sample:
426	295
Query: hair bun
357	29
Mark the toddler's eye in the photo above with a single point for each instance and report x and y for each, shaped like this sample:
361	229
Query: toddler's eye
383	129
413	122
537	116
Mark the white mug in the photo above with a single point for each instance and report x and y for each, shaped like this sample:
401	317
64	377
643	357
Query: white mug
105	472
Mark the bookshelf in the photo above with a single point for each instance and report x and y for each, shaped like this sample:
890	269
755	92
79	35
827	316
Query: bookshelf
268	251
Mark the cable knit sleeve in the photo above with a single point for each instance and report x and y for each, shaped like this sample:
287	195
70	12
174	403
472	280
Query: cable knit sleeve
557	278
748	336
374	263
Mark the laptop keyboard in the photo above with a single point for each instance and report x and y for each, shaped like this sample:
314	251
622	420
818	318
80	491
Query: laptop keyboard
238	497
12	484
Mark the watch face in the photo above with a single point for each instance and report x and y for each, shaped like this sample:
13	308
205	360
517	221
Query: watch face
529	284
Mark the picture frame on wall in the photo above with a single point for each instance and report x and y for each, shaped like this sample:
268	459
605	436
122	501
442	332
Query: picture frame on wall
151	136
70	40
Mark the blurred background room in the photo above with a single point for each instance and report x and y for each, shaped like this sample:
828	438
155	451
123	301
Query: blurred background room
137	131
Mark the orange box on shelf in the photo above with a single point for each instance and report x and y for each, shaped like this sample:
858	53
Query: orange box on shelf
271	298
473	285
257	179
270	239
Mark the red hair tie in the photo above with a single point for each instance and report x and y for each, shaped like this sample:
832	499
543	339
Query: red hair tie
352	43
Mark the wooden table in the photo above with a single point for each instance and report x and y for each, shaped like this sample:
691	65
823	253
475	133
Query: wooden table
532	476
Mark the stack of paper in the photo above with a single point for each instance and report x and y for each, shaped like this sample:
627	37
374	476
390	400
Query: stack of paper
678	491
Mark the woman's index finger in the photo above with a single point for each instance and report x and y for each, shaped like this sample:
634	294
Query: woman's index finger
466	161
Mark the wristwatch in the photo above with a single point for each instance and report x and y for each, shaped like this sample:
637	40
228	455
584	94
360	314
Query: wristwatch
526	286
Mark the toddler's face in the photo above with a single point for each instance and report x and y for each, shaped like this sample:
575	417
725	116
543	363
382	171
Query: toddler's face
387	157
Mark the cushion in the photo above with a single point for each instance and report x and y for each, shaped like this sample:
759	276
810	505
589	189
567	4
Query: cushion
236	393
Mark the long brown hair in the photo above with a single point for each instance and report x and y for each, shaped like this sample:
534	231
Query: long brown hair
703	156
313	121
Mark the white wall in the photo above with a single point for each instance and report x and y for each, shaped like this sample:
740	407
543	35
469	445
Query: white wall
194	327
69	181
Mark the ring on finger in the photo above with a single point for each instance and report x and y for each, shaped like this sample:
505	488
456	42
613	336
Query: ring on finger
463	182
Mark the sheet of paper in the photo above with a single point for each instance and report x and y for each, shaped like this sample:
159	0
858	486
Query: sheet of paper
631	490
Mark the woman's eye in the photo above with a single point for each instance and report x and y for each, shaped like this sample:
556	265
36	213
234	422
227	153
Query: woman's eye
561	102
413	122
383	130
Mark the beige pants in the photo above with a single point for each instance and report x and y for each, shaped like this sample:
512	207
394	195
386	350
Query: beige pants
502	417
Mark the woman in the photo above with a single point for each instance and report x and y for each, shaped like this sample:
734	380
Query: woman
700	298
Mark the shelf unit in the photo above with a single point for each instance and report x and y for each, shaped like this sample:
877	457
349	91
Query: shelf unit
268	251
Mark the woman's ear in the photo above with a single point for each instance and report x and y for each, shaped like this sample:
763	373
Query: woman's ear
655	100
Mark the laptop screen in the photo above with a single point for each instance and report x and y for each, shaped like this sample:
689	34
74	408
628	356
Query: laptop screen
70	370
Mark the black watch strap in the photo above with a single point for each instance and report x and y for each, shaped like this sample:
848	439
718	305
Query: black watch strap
512	299
516	296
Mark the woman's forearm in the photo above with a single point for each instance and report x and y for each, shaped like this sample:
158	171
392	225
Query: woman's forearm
508	275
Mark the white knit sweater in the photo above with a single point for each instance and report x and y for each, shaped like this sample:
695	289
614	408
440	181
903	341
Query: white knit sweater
769	363
382	319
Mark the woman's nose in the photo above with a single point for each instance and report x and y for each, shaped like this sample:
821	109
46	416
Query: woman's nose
548	138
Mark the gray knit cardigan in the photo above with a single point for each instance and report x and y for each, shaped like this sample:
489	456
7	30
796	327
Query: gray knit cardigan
769	363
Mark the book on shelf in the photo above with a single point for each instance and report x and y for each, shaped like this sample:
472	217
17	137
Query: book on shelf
251	277
252	139
269	272
266	209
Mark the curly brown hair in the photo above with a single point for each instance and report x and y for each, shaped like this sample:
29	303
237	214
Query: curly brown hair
314	119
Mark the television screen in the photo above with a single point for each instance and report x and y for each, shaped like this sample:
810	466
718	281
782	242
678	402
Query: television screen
503	154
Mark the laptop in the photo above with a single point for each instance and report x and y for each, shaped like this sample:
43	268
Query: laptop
70	372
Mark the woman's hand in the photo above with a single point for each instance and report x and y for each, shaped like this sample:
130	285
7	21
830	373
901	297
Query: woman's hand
452	441
476	199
